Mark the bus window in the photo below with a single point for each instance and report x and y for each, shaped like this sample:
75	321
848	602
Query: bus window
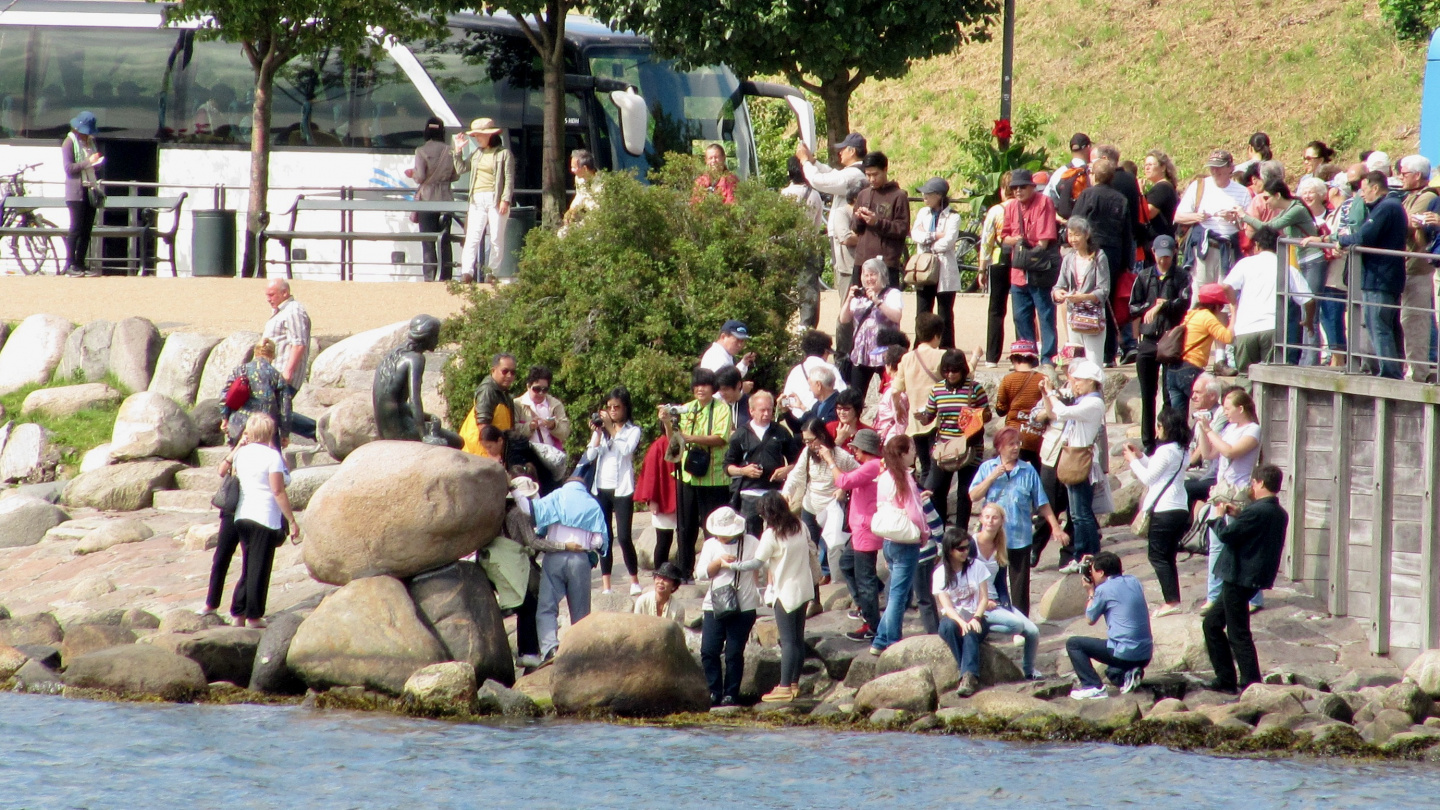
219	94
493	74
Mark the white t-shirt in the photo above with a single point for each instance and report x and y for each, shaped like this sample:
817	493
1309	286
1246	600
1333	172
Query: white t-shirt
810	198
1213	201
716	358
1253	279
714	549
992	566
1237	471
253	464
797	382
966	590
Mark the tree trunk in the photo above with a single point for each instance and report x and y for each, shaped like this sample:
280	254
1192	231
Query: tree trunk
552	174
258	214
835	92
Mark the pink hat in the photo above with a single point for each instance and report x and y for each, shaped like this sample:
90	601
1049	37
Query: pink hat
1213	294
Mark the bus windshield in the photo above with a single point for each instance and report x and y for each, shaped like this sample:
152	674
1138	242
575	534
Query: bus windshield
688	109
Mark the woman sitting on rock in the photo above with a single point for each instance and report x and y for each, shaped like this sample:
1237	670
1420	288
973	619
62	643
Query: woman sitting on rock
726	626
269	394
660	600
262	516
961	587
1000	614
794	570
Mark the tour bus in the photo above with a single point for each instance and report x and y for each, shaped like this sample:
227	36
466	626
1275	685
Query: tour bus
174	111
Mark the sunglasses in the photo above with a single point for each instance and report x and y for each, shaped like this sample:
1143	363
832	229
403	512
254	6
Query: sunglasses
540	389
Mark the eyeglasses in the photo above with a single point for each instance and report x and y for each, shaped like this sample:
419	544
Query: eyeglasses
540	389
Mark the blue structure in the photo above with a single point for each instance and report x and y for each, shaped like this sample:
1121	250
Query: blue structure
1430	103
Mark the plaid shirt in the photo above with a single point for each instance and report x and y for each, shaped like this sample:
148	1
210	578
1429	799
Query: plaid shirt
290	326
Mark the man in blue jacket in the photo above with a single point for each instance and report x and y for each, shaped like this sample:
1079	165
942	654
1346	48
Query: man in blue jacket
1382	277
572	531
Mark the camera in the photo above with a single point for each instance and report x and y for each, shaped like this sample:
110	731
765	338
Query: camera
596	421
1087	569
674	410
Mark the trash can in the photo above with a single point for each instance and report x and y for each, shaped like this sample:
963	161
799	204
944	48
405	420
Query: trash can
212	244
522	219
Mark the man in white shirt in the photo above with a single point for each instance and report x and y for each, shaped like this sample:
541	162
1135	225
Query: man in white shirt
722	353
1212	247
289	327
840	184
816	346
1253	280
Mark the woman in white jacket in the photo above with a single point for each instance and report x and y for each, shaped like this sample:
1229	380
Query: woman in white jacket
613	442
810	485
1084	423
936	230
1163	474
793	569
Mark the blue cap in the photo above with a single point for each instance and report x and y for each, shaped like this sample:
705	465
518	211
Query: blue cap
736	328
84	123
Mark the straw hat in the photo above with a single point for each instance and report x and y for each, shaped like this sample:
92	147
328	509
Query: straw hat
524	486
483	126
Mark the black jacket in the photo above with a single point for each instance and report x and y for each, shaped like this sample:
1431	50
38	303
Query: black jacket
1174	288
1253	542
1125	183
1108	213
776	450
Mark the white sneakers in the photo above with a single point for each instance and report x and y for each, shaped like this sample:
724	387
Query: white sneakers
1093	693
635	589
529	661
1165	610
1072	568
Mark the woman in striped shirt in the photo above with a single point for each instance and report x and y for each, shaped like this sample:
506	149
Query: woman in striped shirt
949	406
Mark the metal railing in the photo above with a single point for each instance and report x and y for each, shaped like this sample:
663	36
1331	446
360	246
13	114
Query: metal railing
1373	340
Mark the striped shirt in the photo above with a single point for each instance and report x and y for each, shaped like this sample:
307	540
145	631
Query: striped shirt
290	326
949	405
703	420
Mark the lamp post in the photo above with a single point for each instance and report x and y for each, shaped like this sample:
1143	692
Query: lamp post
1007	66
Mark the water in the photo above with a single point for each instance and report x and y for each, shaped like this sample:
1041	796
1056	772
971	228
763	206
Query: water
57	753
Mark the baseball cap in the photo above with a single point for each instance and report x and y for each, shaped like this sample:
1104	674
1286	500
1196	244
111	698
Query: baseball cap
1087	369
1163	246
1079	141
736	328
1220	158
1378	162
935	185
854	141
1042	178
1021	177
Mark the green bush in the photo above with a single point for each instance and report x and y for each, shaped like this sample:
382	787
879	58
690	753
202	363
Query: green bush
637	291
1413	20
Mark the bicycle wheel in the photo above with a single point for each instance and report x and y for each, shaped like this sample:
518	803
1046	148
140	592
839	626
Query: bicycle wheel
31	252
967	259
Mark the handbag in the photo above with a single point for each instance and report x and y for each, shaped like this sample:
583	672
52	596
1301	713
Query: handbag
1087	317
1040	265
1171	348
227	497
96	196
697	459
1141	525
1075	462
725	599
923	270
238	393
894	524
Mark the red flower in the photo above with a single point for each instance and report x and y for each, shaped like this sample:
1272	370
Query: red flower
1001	130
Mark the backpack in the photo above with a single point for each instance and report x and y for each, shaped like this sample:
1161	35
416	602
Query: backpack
1072	181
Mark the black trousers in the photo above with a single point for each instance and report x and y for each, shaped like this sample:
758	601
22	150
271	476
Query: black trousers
1166	530
77	241
999	276
436	222
1228	639
791	626
220	565
1019	579
924	599
925	300
257	547
1060	502
694	505
1150	375
527	635
725	637
620	517
861	568
664	538
860	377
939	483
924	444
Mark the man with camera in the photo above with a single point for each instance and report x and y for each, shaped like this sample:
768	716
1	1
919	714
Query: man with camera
700	427
1126	650
1250	552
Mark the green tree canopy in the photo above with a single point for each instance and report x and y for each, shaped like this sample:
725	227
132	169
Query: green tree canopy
829	47
635	292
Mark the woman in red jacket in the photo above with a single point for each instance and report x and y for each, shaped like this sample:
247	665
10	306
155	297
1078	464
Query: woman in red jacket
656	487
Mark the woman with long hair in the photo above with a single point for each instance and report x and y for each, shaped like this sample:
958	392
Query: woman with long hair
613	443
949	405
787	551
991	550
961	588
1237	447
1163	474
1162	197
896	487
433	173
811	485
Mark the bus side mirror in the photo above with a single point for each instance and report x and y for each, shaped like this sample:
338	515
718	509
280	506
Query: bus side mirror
634	119
805	115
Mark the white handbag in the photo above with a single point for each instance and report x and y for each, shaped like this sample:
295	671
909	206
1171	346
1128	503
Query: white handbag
894	524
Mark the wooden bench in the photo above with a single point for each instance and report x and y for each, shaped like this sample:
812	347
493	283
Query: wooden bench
347	235
144	216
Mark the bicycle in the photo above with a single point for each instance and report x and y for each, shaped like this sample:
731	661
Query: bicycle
30	251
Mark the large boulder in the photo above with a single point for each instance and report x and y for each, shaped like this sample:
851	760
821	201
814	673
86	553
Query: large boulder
1126	502
182	361
401	508
1425	672
459	603
32	352
11	660
305	482
137	669
229	353
348	425
368	633
1179	644
910	690
33	628
362	352
223	653
24	520
121	487
114	533
629	665
87	352
134	348
1063	600
96	458
151	424
83	639
931	652
271	674
206	416
28	455
69	399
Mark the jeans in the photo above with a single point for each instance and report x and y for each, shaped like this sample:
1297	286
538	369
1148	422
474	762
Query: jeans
902	559
257	555
995	348
1084	527
939	484
1228	639
1011	622
926	299
484	236
436	222
1179	379
1212	581
1166	530
924	599
860	569
1383	325
1332	318
563	575
619	515
1027	304
965	647
1083	649
725	637
791	626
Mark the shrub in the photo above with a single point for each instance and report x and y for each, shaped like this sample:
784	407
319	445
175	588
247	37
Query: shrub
637	291
1413	20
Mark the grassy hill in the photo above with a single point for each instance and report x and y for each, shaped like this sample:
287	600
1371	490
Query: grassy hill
1183	77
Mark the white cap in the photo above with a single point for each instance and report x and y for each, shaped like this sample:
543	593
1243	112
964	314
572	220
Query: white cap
1087	369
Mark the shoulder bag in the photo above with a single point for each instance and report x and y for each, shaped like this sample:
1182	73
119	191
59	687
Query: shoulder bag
1087	318
953	454
227	497
1040	265
1075	462
697	459
1171	348
1141	525
239	392
923	269
893	523
725	599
